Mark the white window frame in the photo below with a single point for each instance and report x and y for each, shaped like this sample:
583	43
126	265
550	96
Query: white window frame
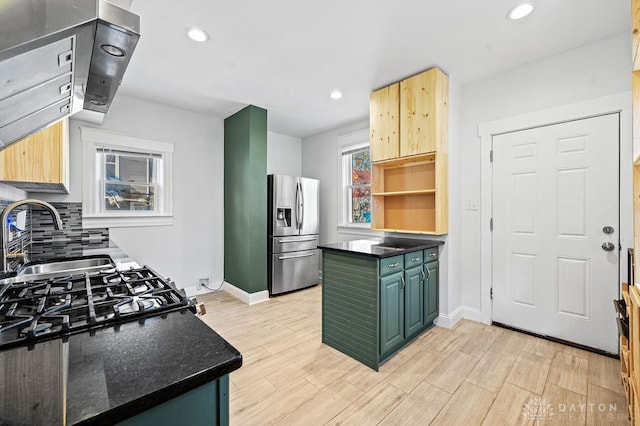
351	141
92	214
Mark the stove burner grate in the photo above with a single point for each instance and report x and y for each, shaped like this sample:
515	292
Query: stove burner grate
44	309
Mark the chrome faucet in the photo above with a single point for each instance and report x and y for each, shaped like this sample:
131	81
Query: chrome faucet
4	252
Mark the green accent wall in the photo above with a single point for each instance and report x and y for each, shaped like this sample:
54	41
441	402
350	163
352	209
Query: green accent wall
245	199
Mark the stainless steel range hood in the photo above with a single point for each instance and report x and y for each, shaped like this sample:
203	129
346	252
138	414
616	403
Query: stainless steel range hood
58	57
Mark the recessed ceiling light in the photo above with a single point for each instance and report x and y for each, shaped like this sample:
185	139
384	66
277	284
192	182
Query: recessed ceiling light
336	94
197	34
520	11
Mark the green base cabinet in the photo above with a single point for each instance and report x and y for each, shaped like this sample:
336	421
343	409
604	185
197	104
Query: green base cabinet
205	405
431	293
392	314
372	307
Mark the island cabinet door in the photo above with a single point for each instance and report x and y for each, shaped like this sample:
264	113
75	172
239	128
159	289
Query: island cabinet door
430	292
391	313
413	301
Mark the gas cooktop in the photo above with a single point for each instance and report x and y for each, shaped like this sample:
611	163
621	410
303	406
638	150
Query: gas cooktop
38	310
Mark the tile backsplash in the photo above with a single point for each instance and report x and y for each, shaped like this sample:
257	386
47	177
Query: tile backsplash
42	242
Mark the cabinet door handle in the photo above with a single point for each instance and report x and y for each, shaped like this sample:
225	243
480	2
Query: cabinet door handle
423	276
393	265
402	284
433	254
415	259
428	273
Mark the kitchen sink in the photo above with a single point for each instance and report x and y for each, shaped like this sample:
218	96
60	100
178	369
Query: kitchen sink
59	268
68	266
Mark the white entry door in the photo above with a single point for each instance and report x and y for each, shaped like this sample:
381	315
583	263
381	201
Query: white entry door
555	203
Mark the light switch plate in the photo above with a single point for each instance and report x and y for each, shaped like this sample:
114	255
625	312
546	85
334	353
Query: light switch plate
471	204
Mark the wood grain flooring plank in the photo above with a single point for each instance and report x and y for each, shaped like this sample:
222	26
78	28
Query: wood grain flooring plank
530	372
468	406
491	371
419	407
606	407
567	407
324	407
569	372
510	407
371	407
452	371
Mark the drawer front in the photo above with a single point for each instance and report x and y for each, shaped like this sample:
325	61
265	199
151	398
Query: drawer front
431	254
391	265
413	259
294	243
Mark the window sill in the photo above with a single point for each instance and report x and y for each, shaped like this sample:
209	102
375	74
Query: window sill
125	221
359	230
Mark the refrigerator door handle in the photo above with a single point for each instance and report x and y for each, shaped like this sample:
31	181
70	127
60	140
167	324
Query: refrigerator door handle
297	240
296	257
299	208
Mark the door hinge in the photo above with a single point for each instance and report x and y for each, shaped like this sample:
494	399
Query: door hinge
491	293
491	156
491	224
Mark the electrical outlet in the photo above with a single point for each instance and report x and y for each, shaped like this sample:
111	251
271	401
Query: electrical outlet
204	281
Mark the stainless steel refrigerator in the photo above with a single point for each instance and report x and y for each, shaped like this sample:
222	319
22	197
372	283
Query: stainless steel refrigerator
293	228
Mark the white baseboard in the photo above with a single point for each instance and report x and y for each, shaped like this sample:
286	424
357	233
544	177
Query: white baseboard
476	315
248	298
448	321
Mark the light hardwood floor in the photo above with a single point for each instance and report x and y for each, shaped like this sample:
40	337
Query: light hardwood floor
470	375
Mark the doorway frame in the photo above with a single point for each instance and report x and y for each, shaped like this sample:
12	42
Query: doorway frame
618	103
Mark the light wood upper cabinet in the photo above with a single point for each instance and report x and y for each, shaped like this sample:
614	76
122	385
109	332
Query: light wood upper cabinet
410	172
635	33
424	112
40	162
384	126
410	117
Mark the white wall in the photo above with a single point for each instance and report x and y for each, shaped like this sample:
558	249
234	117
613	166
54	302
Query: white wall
284	154
592	71
193	246
11	194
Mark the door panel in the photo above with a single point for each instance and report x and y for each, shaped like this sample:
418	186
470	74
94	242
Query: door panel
391	313
294	243
413	301
294	270
555	187
431	292
309	220
284	205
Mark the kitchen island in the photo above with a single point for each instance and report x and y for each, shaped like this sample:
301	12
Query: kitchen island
157	370
377	296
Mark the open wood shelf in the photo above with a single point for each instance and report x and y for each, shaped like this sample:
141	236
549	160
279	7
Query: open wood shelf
408	196
398	193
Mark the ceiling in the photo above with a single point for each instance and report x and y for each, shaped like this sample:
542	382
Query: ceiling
288	55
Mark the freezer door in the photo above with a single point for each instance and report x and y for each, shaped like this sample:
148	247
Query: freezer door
294	243
308	206
294	270
284	192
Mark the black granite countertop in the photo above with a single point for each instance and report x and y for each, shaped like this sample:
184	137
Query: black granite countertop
107	375
381	249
